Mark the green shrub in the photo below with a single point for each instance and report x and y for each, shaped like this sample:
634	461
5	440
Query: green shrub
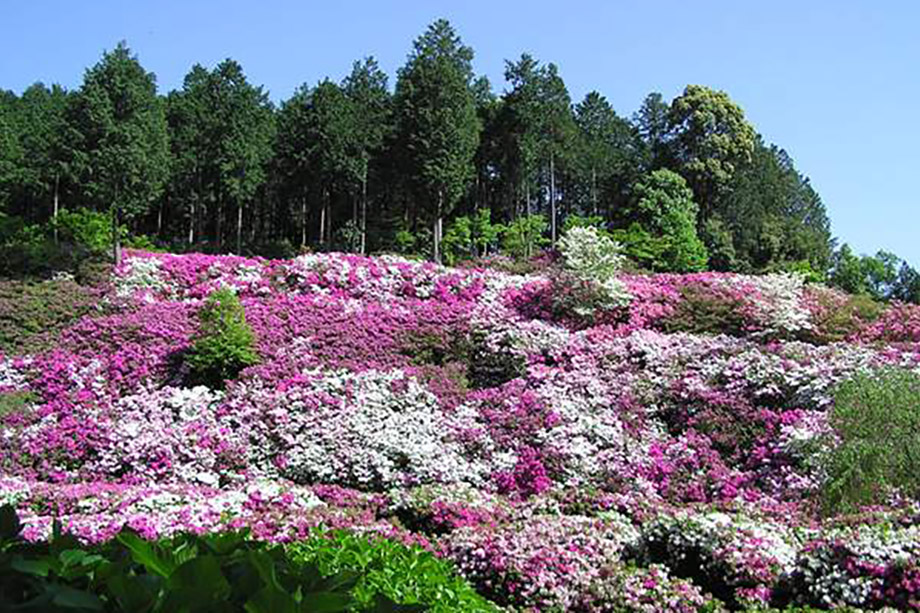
837	317
406	575
86	228
524	236
704	310
876	421
225	344
188	573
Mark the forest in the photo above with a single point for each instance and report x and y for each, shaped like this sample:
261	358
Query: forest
441	166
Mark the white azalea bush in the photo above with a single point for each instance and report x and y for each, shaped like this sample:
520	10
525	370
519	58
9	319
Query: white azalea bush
371	429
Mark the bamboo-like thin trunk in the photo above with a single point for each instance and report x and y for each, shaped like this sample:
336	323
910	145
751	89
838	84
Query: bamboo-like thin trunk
552	196
239	229
56	208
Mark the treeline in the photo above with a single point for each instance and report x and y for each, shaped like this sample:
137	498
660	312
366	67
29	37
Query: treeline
353	164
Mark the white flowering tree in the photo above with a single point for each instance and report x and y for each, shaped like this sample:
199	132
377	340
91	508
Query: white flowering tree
596	259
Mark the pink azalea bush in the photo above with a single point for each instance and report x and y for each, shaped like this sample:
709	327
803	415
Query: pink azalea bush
639	460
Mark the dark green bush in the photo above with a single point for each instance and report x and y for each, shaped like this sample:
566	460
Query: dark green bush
407	575
876	419
225	344
705	310
837	319
185	574
31	314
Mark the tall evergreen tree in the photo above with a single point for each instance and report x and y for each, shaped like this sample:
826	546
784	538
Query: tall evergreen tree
366	89
228	124
438	126
123	151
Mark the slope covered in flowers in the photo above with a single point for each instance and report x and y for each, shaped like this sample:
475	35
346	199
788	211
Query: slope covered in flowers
652	458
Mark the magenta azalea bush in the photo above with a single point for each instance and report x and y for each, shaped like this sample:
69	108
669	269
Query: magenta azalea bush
663	455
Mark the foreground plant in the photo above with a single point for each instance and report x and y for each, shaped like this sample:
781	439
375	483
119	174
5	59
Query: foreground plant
187	573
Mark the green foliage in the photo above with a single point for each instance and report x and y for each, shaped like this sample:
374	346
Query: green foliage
123	150
348	237
31	314
86	228
711	139
458	240
640	246
703	310
409	576
525	235
485	233
405	242
877	425
836	321
438	125
186	573
775	215
664	207
585	221
225	344
876	275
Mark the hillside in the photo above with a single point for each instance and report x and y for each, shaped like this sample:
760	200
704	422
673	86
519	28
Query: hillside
655	454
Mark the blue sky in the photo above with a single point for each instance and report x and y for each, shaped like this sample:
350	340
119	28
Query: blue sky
836	83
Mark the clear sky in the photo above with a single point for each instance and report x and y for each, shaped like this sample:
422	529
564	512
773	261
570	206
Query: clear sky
834	82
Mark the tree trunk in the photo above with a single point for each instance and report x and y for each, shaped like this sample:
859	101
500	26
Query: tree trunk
322	220
593	190
437	228
56	183
160	214
364	214
527	198
303	220
239	229
220	222
116	238
552	197
191	224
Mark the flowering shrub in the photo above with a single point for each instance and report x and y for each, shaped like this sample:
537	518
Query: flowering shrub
592	259
664	452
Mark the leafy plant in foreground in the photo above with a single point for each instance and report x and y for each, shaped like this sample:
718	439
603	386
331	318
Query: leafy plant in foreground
187	573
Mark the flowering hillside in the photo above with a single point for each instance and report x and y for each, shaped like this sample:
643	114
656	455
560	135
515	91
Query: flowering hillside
655	455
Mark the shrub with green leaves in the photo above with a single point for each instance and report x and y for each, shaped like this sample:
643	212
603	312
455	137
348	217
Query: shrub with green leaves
876	423
89	229
406	575
225	344
524	236
188	573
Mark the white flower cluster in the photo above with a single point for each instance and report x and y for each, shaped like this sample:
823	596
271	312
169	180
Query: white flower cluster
141	275
165	435
780	301
11	377
592	257
369	429
827	579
